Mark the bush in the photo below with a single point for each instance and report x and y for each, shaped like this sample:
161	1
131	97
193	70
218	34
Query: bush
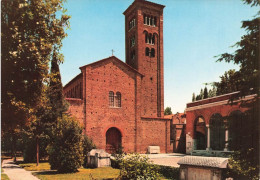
88	145
169	172
135	166
66	151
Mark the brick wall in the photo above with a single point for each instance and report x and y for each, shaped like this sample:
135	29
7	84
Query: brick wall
76	109
154	132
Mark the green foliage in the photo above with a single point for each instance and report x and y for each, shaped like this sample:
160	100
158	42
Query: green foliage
244	161
246	145
193	97
229	82
165	171
29	149
135	166
66	151
168	172
29	31
168	111
88	145
246	56
205	93
55	90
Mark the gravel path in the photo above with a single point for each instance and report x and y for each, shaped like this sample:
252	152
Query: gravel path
15	172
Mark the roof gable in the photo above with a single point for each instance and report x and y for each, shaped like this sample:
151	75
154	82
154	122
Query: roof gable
115	60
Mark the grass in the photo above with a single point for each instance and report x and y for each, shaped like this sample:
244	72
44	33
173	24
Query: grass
98	173
3	175
87	174
47	174
44	166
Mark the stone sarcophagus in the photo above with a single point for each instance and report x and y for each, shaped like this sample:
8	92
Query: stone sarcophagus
153	149
202	168
98	158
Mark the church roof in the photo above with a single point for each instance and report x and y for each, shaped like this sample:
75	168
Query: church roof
143	2
74	79
116	60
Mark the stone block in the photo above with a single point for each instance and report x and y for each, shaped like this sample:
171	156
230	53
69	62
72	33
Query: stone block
98	158
153	149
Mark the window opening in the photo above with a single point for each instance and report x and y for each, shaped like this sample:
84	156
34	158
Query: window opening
111	99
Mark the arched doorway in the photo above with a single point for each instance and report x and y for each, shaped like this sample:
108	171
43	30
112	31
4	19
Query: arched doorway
113	140
199	134
236	125
217	132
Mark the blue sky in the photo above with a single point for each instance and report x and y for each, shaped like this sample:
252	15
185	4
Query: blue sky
194	32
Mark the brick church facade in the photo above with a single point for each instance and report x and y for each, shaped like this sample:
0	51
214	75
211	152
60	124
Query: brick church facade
122	103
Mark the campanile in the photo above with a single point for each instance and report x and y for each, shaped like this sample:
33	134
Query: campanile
144	52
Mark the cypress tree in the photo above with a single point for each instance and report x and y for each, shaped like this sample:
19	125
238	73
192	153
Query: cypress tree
205	94
55	93
193	97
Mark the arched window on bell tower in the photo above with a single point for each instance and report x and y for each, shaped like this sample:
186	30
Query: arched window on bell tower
152	52
147	51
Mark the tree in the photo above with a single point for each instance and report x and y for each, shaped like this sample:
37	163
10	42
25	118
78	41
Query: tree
168	111
229	82
245	80
30	29
201	94
205	93
193	97
198	97
66	151
55	91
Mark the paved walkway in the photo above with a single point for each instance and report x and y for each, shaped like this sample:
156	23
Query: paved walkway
170	159
15	172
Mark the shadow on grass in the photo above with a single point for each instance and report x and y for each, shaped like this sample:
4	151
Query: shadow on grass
51	172
54	172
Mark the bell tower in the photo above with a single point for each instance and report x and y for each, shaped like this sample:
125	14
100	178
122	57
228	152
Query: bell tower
144	52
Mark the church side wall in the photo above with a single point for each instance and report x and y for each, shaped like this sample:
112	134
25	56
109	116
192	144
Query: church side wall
155	132
76	109
100	80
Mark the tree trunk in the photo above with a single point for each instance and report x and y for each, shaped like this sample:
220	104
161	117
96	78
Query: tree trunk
37	151
13	146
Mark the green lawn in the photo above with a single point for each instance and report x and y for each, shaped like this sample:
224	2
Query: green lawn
47	174
86	174
3	175
32	166
98	173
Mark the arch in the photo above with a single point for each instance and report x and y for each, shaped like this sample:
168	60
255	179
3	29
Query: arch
118	99
152	52
153	39
235	128
199	133
111	98
150	38
147	51
217	132
146	37
113	140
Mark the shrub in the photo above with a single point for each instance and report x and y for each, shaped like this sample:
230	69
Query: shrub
88	145
135	166
66	151
169	172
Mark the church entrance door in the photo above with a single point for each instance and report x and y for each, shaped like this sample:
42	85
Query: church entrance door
113	140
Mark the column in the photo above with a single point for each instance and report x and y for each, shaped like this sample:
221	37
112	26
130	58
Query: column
226	139
208	138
